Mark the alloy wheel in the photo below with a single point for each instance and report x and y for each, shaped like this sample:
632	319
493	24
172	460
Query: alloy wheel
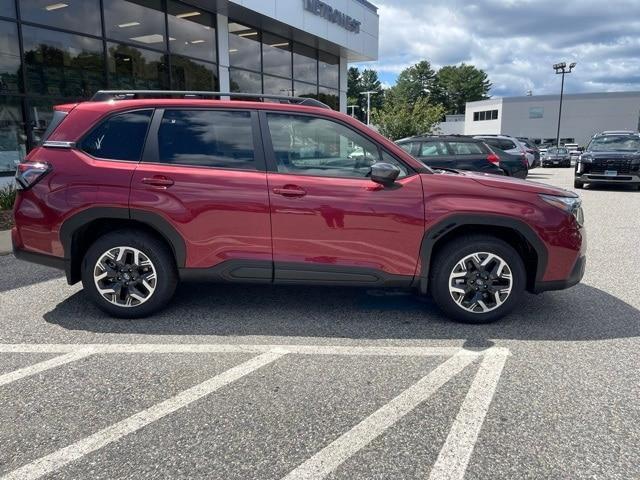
481	282
125	276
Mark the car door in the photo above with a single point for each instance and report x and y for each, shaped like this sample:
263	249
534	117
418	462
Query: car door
203	171
330	222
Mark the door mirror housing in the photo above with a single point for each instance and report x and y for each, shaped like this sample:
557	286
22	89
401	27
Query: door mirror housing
384	173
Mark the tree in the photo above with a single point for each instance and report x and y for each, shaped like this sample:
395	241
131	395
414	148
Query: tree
399	120
358	82
457	85
417	81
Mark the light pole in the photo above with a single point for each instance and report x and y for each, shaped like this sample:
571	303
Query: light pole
561	69
353	109
368	94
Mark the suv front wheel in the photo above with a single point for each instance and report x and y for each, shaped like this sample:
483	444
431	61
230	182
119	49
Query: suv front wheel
129	274
477	279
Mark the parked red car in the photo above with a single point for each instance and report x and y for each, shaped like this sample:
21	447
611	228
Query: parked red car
130	194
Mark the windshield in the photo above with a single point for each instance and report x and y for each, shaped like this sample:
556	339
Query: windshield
558	150
623	143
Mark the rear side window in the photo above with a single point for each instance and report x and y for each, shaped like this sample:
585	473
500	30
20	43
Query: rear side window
465	148
120	137
58	117
207	138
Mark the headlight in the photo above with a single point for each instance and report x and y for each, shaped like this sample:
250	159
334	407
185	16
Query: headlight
571	205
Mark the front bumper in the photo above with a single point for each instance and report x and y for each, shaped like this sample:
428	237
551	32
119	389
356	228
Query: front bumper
629	179
576	276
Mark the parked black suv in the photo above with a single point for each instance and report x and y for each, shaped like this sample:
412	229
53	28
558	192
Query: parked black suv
462	153
610	158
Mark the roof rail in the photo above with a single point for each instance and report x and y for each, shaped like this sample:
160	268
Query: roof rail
104	95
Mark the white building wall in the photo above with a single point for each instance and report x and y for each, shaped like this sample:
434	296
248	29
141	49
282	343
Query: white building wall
582	115
488	127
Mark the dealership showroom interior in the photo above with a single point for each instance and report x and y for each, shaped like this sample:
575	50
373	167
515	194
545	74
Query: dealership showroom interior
319	239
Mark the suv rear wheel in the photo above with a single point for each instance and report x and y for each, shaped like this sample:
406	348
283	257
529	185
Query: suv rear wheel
129	274
477	279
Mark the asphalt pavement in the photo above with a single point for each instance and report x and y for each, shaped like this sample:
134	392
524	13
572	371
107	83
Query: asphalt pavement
243	382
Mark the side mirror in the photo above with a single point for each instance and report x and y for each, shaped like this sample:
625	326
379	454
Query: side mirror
384	173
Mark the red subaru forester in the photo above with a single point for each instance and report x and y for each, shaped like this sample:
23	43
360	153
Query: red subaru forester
133	191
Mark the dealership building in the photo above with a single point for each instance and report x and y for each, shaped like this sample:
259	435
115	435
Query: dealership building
61	51
536	117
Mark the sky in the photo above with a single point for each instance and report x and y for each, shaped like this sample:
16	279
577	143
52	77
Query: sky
516	41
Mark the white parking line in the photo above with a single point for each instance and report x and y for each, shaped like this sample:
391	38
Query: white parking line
455	454
42	366
58	459
333	455
235	348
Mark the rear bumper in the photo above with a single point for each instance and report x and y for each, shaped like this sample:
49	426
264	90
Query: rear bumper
576	276
39	258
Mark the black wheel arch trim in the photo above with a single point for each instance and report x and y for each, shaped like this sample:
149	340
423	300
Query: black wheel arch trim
154	221
450	223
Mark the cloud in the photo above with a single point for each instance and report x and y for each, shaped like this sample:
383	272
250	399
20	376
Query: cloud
516	41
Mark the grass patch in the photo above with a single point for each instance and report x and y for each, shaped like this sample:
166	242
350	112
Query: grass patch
7	198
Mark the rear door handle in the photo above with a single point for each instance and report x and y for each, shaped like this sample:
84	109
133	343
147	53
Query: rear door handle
158	181
290	191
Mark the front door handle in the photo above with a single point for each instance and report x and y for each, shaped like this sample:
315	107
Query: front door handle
158	181
290	191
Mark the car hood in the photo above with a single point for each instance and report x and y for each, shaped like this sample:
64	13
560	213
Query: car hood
510	183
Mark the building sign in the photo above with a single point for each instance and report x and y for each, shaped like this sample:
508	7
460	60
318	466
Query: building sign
323	10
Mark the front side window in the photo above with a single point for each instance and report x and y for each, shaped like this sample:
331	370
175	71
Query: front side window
120	137
306	145
207	138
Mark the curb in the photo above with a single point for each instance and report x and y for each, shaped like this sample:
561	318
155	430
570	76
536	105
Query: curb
5	242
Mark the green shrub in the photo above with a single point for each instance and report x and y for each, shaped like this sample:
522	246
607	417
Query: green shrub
7	197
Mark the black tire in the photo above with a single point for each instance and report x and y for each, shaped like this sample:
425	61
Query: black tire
156	251
447	259
578	184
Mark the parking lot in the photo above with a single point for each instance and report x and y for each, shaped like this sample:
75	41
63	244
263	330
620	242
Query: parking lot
241	382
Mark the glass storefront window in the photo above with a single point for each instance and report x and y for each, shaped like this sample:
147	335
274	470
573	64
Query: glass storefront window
245	82
61	64
244	47
306	90
329	70
141	22
77	15
191	32
329	97
9	58
305	63
136	68
187	74
276	55
13	140
277	86
7	9
39	115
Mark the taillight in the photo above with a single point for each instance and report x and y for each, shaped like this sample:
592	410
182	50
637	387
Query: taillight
493	158
30	173
525	162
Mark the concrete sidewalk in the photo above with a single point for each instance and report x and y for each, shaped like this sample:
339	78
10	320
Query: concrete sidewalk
5	242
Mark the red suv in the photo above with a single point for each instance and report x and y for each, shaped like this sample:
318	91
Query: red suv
133	191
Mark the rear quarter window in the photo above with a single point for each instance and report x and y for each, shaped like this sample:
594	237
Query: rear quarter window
119	137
